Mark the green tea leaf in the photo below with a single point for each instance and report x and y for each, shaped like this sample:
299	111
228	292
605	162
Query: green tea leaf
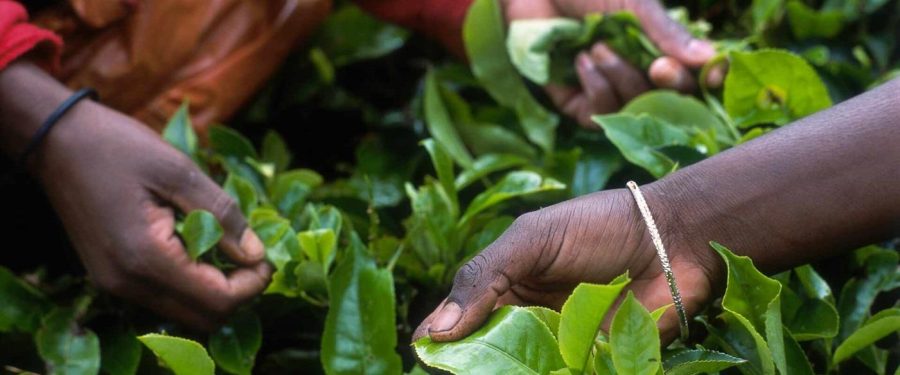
641	138
531	41
23	306
277	236
65	347
200	233
180	133
182	356
682	111
514	184
513	341
243	193
748	293
772	86
580	320
234	345
485	165
120	350
881	325
319	246
858	295
440	124
765	13
795	358
350	35
634	339
359	335
739	338
230	143
808	23
753	297
290	191
443	165
699	361
485	42
275	151
549	317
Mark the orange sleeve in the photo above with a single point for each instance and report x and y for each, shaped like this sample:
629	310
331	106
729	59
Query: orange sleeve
18	37
438	19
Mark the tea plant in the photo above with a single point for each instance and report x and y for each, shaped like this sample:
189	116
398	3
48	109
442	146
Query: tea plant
361	255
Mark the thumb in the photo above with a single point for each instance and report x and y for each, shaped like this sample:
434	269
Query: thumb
192	190
670	36
480	283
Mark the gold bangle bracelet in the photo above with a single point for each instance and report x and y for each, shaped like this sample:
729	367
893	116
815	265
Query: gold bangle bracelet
663	258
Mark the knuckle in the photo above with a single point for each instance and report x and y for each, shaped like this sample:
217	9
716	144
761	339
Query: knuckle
471	273
224	206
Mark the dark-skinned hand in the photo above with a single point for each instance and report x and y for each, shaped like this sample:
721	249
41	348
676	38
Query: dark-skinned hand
116	186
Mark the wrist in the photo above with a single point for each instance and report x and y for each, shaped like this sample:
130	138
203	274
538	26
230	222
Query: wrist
28	96
687	223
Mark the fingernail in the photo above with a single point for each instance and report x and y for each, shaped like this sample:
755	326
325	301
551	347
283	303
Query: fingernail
251	245
447	318
700	50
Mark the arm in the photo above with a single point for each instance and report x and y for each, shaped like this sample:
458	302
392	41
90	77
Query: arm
818	187
825	184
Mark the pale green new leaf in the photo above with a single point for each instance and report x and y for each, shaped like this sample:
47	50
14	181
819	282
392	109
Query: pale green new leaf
201	231
550	317
359	335
182	356
634	339
580	319
513	341
234	345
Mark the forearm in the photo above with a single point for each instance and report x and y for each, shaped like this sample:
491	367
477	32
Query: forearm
821	186
27	96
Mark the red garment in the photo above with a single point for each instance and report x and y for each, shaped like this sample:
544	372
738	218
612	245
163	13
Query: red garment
18	37
438	19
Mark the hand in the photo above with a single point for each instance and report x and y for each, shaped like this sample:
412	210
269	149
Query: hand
116	186
607	80
545	254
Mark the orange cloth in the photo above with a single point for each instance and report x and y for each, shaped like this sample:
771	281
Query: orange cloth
146	57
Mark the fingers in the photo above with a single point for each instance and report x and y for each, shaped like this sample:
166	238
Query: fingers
626	80
189	189
667	72
672	38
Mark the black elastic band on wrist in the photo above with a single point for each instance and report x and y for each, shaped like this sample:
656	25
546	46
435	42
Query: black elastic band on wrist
54	118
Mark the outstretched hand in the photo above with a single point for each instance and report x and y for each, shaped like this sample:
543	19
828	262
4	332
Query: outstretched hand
545	254
607	81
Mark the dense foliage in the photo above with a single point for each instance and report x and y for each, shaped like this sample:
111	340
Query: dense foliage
444	162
